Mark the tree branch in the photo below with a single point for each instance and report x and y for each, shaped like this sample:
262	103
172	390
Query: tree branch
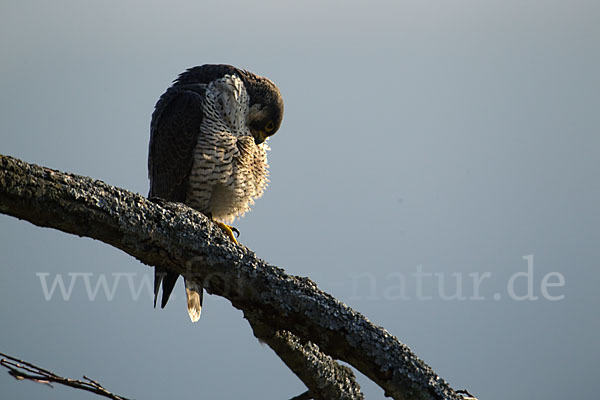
326	378
185	241
23	370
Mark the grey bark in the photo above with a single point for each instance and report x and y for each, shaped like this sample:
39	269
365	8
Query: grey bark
307	328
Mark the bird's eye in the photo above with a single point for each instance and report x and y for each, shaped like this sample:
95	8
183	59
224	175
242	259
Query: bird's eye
269	127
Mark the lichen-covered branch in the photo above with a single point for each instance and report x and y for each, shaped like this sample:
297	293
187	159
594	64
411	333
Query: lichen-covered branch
326	378
183	240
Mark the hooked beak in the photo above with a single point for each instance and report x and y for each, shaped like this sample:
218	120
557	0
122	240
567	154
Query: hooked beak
260	136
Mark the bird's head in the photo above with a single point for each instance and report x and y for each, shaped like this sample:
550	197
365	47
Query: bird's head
266	107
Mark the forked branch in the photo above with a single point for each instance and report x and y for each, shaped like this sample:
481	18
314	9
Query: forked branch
308	328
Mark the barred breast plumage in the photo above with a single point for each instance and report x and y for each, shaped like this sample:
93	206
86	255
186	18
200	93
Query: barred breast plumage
229	170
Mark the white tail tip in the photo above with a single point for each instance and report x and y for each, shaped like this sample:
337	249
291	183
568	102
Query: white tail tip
194	304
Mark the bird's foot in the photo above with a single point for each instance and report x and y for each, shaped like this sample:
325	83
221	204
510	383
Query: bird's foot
229	230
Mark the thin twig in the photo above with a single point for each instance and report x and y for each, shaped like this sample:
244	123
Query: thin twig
23	370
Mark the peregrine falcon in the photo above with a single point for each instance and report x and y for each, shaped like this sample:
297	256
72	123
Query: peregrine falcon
208	150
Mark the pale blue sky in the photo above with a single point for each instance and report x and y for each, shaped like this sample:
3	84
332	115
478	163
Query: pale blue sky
448	137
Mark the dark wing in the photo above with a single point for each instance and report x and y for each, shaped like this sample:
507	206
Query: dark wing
173	135
174	130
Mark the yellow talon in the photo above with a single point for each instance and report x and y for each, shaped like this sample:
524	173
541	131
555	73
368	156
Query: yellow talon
228	231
